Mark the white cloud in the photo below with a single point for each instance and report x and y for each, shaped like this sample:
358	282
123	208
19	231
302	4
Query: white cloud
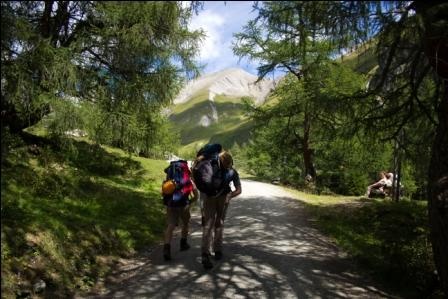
211	23
219	23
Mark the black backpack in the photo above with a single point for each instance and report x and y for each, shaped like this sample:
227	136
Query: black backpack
207	173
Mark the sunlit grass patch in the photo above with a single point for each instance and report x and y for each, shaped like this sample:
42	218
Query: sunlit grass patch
62	209
389	239
314	199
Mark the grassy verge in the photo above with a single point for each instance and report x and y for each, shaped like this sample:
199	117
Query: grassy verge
389	240
69	212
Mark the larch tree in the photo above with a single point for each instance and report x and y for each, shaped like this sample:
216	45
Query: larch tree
126	60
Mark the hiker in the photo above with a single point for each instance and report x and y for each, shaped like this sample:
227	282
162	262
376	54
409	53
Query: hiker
176	190
389	179
384	181
215	207
388	187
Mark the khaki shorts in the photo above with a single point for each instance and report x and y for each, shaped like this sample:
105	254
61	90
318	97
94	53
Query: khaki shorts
173	214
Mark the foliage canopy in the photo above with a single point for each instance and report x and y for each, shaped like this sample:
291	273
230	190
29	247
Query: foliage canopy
125	61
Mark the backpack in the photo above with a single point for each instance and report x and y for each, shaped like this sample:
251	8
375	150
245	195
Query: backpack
177	186
207	173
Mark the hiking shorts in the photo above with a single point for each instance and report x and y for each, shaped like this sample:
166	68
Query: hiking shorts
173	214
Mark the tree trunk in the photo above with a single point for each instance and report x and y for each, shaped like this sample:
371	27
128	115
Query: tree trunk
307	151
308	160
438	193
16	122
436	49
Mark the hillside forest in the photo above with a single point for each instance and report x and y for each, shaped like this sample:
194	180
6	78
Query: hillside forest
364	89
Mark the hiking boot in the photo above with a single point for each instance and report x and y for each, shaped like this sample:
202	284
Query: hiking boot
218	255
206	261
184	245
167	252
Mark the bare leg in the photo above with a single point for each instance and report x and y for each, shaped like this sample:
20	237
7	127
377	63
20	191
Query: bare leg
185	229
376	185
169	233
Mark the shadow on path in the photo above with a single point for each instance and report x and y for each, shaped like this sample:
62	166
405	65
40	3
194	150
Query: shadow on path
270	251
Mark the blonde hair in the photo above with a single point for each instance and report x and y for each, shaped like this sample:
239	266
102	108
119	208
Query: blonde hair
226	159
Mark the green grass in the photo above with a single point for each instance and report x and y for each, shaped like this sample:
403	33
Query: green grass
230	118
232	126
68	213
388	239
363	59
199	97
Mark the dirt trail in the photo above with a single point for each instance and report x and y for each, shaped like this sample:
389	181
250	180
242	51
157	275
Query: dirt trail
270	251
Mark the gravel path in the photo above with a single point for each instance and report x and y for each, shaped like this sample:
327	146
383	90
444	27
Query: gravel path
270	251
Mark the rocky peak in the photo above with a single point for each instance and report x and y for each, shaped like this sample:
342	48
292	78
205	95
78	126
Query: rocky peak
231	82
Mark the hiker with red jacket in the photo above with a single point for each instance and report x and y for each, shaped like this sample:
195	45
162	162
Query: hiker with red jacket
213	174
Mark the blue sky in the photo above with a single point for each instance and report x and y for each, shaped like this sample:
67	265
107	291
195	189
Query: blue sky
220	20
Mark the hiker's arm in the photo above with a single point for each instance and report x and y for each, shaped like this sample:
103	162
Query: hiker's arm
236	192
195	191
237	184
195	194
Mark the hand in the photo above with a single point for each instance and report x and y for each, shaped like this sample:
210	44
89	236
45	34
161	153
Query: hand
228	197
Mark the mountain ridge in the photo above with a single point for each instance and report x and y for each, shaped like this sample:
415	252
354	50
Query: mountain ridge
233	82
210	109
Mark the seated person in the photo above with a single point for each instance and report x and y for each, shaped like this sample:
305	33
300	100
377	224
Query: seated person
388	188
389	180
379	185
